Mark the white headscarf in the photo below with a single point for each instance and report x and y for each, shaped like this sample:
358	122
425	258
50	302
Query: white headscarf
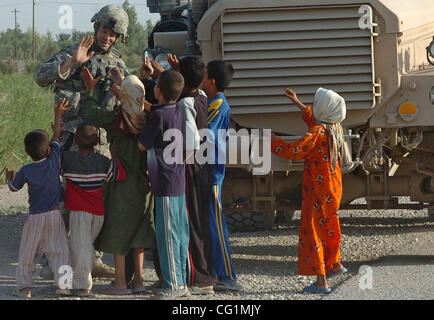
329	110
132	95
328	106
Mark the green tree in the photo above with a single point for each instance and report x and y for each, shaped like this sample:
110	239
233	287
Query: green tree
137	41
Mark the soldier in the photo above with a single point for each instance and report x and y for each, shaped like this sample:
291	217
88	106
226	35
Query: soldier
63	72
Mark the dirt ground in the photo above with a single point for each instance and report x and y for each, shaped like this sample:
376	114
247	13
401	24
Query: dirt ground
13	208
266	260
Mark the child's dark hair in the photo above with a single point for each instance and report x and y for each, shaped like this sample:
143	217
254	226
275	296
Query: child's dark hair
36	144
86	136
222	72
193	71
171	84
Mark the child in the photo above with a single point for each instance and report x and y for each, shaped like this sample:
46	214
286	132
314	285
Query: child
168	185
44	229
194	109
217	78
128	204
321	148
86	172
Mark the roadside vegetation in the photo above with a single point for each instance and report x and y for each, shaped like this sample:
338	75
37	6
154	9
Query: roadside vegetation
24	106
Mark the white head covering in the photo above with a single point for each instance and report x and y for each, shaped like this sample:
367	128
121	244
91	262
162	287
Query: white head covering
328	106
329	109
132	95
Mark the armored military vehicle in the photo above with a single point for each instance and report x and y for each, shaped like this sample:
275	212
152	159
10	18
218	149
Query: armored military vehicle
372	52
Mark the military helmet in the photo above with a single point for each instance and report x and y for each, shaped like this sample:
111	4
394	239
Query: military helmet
115	18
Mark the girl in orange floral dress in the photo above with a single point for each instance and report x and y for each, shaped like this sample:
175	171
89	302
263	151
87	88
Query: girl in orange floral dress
321	148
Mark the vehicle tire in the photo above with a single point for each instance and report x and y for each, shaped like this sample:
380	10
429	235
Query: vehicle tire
249	221
284	217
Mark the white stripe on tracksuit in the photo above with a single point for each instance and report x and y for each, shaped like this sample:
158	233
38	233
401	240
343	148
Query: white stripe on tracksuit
172	232
170	254
42	232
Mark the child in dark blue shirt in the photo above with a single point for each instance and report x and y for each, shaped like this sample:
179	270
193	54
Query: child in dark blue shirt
166	171
44	229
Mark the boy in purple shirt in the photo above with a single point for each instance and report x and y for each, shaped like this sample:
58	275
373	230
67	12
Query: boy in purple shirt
166	171
44	229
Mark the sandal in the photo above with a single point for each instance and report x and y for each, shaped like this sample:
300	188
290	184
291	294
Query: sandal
111	290
63	292
314	289
22	294
332	273
84	293
169	294
139	289
227	285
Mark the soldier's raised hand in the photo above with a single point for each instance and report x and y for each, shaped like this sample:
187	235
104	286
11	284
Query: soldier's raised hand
82	53
89	81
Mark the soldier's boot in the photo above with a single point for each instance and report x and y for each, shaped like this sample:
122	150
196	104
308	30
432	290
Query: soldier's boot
100	269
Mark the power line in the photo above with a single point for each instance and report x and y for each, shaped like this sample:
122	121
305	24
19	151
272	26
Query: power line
16	45
33	33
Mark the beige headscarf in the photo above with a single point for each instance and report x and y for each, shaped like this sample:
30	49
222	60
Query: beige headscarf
329	110
132	96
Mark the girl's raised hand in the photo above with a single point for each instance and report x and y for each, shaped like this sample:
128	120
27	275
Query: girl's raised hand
291	94
293	97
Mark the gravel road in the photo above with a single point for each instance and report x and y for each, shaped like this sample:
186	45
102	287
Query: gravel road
392	242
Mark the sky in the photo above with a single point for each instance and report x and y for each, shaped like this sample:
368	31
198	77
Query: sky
58	16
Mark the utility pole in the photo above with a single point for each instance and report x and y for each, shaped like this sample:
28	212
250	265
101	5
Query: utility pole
33	36
16	45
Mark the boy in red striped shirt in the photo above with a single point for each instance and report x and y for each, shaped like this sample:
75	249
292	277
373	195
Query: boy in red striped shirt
86	172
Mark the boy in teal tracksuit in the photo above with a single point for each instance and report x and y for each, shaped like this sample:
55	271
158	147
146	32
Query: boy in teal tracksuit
217	78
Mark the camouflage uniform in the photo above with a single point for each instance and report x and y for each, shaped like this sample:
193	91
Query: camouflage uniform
71	86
